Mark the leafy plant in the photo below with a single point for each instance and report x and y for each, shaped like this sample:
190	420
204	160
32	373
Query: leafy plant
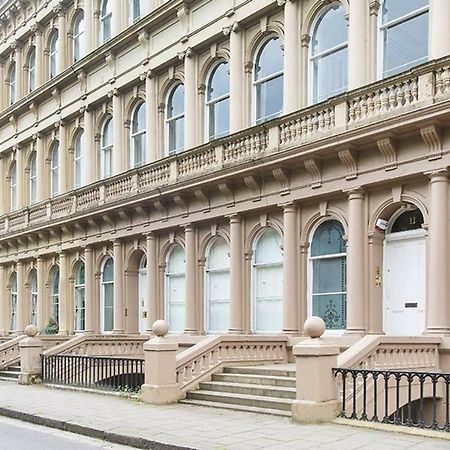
51	328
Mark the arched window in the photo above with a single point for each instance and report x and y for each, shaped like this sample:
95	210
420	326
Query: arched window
54	294
54	170
175	289
218	101
78	160
53	55
137	156
78	37
403	35
80	300
137	10
217	286
34	297
175	120
142	310
329	274
33	178
12	83
329	53
267	274
409	219
31	64
268	80
105	21
13	302
13	186
106	150
107	312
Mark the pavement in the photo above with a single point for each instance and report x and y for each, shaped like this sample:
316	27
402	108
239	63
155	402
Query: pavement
129	422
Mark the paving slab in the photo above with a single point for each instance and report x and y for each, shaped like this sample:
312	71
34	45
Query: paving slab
130	422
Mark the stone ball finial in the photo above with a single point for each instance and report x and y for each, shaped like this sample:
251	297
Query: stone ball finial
31	330
160	328
314	327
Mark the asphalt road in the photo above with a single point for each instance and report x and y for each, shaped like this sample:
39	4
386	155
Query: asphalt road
17	435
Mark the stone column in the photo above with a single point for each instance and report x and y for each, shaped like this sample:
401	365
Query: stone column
3	95
152	280
62	40
191	275
63	319
18	57
40	168
439	32
39	55
375	282
89	290
89	34
356	294
90	150
190	100
119	310
118	126
22	319
151	110
438	256
316	385
42	310
290	270
357	44
3	303
291	57
304	66
20	161
63	151
236	275
236	77
3	186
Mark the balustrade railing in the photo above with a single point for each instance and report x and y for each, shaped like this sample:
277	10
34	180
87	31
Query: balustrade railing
94	372
408	398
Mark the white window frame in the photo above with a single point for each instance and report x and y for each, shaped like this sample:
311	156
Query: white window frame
32	70
78	160
33	178
12	83
384	26
54	171
211	103
54	296
309	278
255	83
167	276
106	151
105	18
33	297
13	186
102	296
142	10
135	135
168	120
53	55
13	303
78	288
78	37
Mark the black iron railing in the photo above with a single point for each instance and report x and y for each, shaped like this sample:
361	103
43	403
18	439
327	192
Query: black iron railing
413	399
95	372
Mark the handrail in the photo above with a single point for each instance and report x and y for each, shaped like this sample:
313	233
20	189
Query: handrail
9	352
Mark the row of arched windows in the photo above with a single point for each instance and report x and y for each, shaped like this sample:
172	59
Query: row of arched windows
328	287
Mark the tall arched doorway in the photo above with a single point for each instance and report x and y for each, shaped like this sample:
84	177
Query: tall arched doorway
404	274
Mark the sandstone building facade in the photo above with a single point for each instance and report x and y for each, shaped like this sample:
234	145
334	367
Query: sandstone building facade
228	165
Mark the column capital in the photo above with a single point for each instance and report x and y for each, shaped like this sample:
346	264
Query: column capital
150	236
235	218
355	193
437	175
289	207
188	228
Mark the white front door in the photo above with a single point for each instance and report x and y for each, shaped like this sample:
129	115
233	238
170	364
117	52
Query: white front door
404	283
142	308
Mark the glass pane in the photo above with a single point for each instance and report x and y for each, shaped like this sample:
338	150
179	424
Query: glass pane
405	45
55	182
268	315
108	319
176	135
331	30
219	83
269	59
269	98
176	317
218	314
219	118
55	282
329	275
175	104
80	274
332	309
176	302
109	295
139	118
268	247
106	29
219	286
330	75
409	220
393	9
218	256
175	262
328	239
139	146
108	270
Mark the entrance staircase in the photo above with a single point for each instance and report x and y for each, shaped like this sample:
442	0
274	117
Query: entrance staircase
268	389
10	373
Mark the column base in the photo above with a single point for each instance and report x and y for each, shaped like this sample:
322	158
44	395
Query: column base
116	332
63	333
304	411
190	332
160	395
235	331
440	331
29	378
291	332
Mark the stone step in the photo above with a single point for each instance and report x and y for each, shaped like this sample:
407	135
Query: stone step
11	379
241	399
264	371
13	368
249	389
9	374
233	407
269	380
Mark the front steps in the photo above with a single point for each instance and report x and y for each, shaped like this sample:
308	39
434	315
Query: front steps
260	389
10	373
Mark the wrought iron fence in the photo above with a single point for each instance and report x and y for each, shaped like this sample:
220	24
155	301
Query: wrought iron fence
95	372
413	399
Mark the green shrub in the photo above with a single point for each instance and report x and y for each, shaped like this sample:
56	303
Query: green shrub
51	328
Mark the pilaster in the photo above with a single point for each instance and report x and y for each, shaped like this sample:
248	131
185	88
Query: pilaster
119	308
191	279
236	275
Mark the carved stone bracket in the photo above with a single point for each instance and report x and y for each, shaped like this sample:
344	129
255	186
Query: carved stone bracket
201	195
431	135
254	184
388	148
182	204
312	166
227	191
349	160
160	206
283	177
